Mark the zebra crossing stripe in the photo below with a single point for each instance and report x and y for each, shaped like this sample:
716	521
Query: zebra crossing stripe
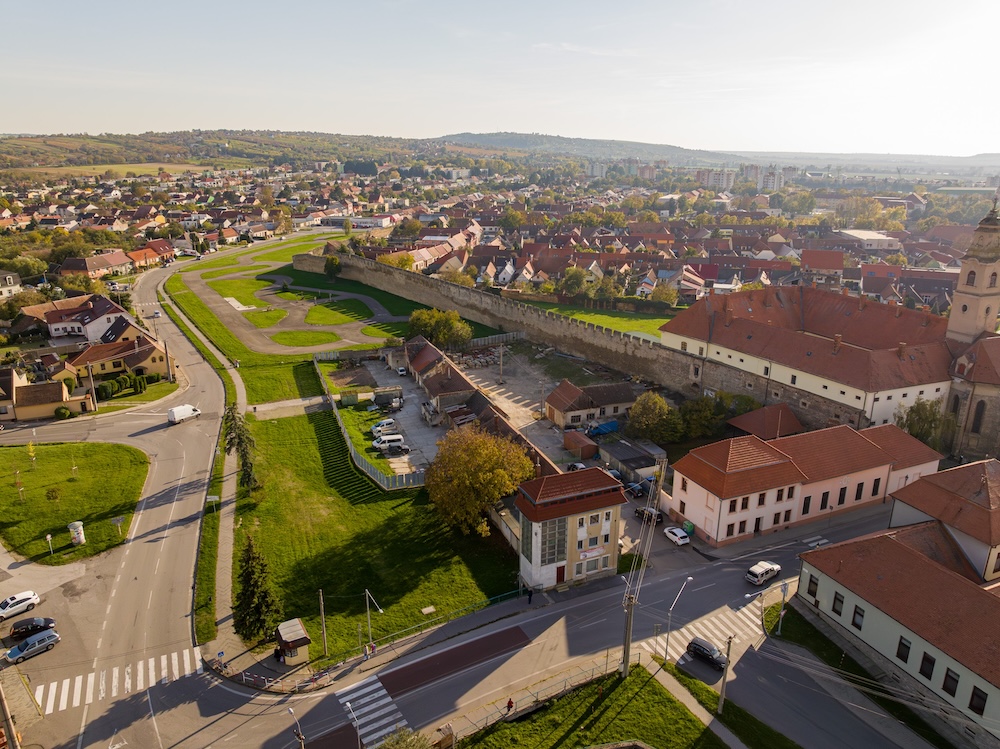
39	690
51	703
163	669
139	683
128	679
151	670
114	682
64	698
174	666
90	688
77	687
187	663
200	666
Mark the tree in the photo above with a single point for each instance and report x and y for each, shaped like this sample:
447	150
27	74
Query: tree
652	418
572	282
442	328
348	226
457	277
402	260
664	293
256	608
511	220
700	418
471	471
408	228
896	259
240	441
332	268
925	421
406	738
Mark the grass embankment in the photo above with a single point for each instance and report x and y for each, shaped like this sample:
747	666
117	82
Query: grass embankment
107	484
243	290
305	338
605	711
387	330
324	525
338	312
796	629
626	322
153	392
267	377
265	318
235	268
359	422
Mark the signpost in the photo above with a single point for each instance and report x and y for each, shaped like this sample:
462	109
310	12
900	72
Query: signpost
118	523
48	537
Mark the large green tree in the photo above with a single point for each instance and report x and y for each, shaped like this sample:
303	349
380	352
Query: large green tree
471	471
652	418
573	281
442	328
256	608
700	417
240	441
927	422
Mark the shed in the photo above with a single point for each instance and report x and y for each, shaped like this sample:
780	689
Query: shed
580	445
293	641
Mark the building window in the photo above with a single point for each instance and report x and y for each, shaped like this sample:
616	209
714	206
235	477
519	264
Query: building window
603	411
604	561
767	371
781	495
592	565
977	418
579	569
791	492
684	485
824	501
794	379
805	504
553	541
903	650
579	545
875	486
745	503
927	666
970	280
977	702
580	522
607	538
813	586
526	538
729	530
858	620
701	351
614	410
681	507
592	541
888	397
607	515
788	516
859	491
993	280
697	371
842	496
684	345
950	683
838	604
732	506
761	499
777	519
595	518
743	526
575	419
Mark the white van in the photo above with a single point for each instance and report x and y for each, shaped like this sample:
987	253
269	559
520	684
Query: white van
761	572
386	441
177	414
386	426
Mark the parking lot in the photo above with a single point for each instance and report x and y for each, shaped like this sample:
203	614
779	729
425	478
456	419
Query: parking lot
418	435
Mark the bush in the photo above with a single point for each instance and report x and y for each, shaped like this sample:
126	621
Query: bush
152	377
106	390
63	413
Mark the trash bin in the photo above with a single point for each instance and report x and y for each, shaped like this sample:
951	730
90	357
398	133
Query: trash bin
76	533
688	527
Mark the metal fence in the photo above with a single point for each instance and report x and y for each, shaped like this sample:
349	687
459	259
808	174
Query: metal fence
493	340
388	483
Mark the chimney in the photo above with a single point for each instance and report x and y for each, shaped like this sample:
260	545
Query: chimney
813	284
711	291
836	342
925	308
899	310
729	317
892	302
845	291
862	302
901	349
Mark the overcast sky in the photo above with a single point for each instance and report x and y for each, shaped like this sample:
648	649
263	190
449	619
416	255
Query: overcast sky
777	75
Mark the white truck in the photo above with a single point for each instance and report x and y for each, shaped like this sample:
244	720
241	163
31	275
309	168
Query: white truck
177	414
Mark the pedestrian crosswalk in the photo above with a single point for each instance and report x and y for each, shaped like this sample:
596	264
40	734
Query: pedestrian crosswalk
814	541
120	680
371	710
743	622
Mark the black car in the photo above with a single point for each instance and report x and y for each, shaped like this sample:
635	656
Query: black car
27	627
706	651
647	514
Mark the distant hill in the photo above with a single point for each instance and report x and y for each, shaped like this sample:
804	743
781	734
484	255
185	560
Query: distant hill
586	148
918	163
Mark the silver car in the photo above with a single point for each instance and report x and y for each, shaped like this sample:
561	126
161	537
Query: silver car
32	646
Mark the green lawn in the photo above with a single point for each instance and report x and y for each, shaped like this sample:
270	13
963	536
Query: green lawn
227	380
753	732
338	312
205	629
297	296
286	251
267	377
606	711
323	525
304	338
154	392
243	290
265	318
234	269
394	304
796	629
107	485
359	422
626	322
387	330
225	261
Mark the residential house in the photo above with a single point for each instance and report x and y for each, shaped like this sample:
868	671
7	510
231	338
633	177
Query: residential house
10	283
570	525
107	262
744	487
22	400
144	258
572	407
89	319
918	599
140	356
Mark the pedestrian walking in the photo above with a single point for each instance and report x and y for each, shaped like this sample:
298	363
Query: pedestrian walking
510	704
530	591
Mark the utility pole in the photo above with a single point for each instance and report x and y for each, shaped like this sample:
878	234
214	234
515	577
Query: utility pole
781	613
627	645
8	722
725	675
322	620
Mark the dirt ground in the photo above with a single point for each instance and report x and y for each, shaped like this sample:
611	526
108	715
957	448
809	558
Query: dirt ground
349	376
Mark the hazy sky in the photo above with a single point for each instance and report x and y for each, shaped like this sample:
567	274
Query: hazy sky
779	75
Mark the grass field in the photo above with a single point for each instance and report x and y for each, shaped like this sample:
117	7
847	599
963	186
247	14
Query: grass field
606	711
626	322
240	289
107	484
322	524
387	330
267	377
227	381
265	318
121	170
287	250
205	629
359	422
338	312
305	337
394	304
154	392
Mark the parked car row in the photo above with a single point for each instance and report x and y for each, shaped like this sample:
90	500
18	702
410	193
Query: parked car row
388	440
36	634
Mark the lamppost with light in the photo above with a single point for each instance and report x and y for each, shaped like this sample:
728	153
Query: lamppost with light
670	618
368	613
357	726
297	731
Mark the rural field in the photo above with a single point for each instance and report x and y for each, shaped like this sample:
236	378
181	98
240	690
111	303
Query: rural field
120	170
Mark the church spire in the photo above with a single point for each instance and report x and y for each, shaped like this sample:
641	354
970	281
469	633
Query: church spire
985	245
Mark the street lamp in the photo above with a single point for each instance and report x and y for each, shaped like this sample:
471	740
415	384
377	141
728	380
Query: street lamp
759	595
670	618
297	731
357	726
368	613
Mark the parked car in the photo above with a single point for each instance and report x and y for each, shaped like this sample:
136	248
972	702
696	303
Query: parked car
639	491
396	450
761	572
704	650
386	426
32	646
27	627
647	514
676	536
401	371
18	604
576	466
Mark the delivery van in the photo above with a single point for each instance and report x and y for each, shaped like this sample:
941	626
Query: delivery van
177	414
386	441
386	426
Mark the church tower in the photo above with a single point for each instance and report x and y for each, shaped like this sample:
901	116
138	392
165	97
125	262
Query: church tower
976	303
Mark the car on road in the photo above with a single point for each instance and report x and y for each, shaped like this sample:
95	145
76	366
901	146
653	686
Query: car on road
703	650
576	466
676	536
646	514
27	627
761	572
18	604
401	371
157	313
32	646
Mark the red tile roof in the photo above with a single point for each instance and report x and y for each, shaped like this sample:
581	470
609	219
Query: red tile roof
833	452
906	451
769	422
738	467
567	494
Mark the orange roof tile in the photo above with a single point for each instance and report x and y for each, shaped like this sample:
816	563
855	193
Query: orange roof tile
737	467
906	450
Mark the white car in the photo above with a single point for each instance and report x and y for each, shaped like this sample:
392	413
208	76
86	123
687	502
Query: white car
677	536
18	604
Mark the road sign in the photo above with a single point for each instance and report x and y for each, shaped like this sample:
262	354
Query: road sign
220	654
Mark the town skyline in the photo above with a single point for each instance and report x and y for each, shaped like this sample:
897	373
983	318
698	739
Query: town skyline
721	77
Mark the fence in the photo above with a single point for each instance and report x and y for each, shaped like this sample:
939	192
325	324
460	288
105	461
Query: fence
494	340
388	483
